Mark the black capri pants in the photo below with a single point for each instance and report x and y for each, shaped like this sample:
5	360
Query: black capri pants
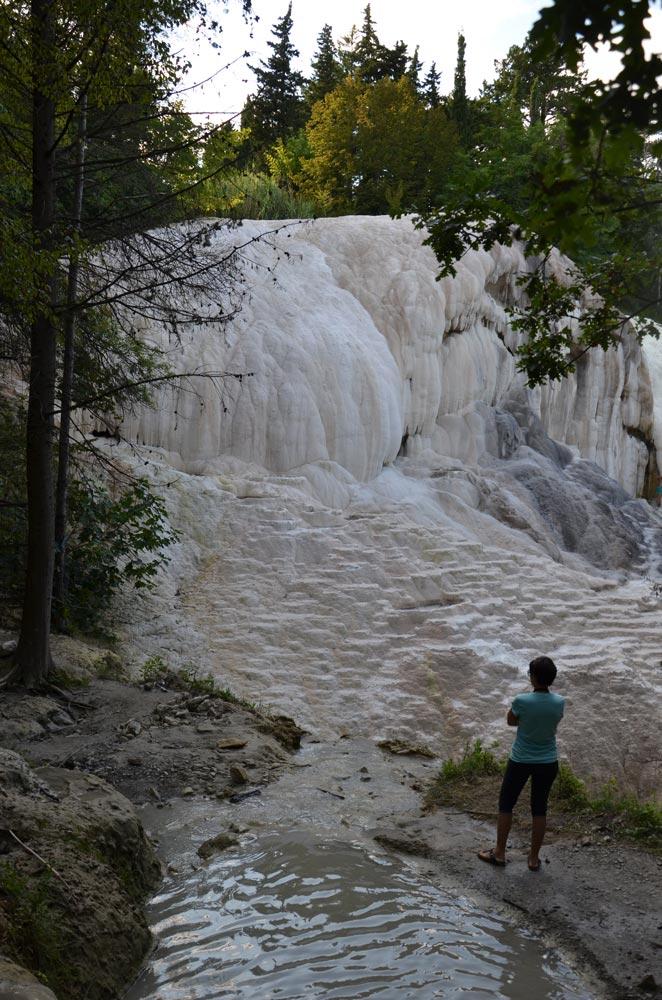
516	776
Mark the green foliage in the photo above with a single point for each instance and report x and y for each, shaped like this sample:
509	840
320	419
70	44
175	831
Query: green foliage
155	671
568	791
460	107
633	96
277	109
624	816
257	196
112	541
531	176
33	938
635	820
115	370
285	160
476	762
375	148
327	71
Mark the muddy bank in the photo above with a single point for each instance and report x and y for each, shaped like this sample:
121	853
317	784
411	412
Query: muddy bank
598	902
75	865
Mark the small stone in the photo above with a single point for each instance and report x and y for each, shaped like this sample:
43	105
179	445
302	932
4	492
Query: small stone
205	727
366	777
61	718
648	983
216	844
239	775
586	842
230	744
195	704
363	770
188	791
240	796
133	727
135	761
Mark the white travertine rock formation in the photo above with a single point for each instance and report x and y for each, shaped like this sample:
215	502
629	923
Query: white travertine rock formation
353	346
380	525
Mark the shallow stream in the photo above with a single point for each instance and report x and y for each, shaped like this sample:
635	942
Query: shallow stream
290	917
307	906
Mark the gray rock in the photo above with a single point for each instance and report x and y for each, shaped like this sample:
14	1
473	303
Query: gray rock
19	984
16	776
132	728
239	775
216	844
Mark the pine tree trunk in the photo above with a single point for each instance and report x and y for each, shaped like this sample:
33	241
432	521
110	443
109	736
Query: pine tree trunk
68	362
33	656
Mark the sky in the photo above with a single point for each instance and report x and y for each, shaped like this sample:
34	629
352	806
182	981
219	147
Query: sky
490	27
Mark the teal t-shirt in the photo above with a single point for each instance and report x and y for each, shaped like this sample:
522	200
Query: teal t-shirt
539	714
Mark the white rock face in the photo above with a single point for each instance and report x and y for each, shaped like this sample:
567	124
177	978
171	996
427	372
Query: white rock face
352	345
380	524
652	350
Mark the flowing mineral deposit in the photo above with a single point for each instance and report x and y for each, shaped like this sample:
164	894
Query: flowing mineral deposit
380	523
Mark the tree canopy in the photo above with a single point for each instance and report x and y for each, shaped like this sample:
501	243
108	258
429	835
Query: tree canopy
94	147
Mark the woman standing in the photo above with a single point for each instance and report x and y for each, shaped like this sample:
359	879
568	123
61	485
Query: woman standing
534	756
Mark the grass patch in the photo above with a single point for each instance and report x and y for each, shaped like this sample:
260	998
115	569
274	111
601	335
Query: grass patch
569	792
156	672
472	782
477	761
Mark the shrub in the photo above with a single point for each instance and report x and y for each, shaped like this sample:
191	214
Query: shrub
476	761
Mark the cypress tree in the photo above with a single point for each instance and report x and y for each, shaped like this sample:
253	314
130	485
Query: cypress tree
413	73
460	112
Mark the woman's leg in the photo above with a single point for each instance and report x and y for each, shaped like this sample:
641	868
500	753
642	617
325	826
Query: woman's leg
542	779
513	782
538	827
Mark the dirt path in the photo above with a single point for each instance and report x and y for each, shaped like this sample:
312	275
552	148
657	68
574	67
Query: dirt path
599	902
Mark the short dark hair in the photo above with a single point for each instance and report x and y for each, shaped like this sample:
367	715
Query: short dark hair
543	669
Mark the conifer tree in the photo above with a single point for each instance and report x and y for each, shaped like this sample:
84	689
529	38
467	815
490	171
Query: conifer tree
413	73
363	55
460	112
394	61
368	52
326	67
431	93
276	111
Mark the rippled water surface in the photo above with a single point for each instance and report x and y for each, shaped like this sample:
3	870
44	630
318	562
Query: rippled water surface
293	918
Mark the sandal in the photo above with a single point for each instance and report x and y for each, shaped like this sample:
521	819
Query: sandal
488	857
534	868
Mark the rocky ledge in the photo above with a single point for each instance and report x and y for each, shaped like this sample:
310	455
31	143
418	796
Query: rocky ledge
75	869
